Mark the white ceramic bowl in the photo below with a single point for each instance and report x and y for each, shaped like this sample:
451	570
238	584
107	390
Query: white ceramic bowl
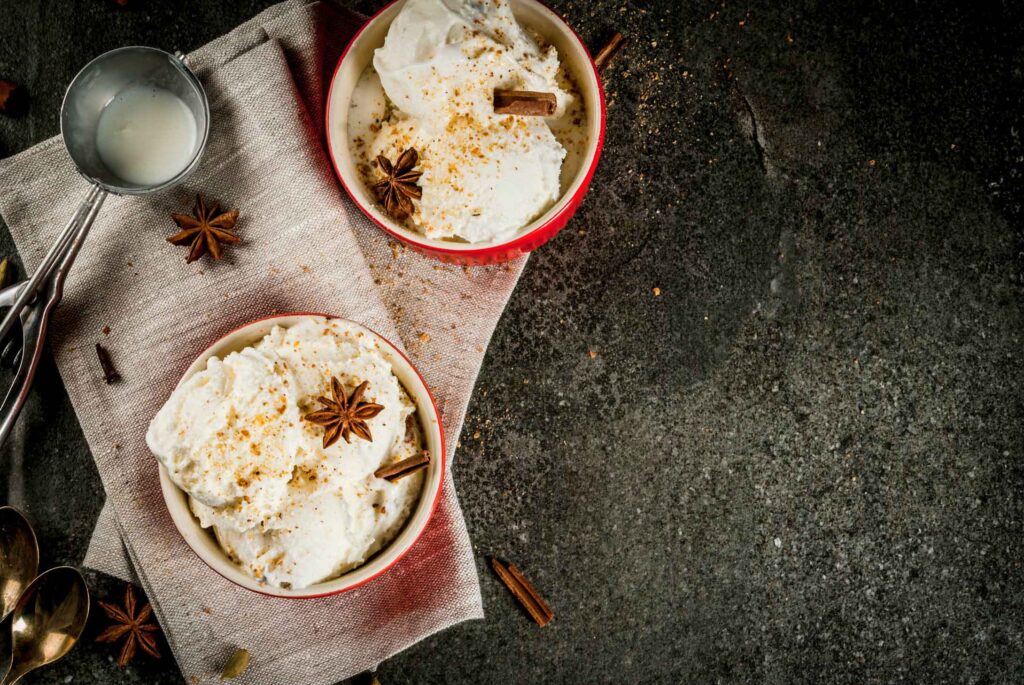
532	15
202	541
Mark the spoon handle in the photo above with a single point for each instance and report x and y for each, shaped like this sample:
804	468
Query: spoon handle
14	674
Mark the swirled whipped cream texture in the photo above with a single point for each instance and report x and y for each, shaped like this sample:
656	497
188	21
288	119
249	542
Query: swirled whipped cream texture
288	511
485	175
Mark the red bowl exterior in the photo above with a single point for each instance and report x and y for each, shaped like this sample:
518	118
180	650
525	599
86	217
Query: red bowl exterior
491	254
433	504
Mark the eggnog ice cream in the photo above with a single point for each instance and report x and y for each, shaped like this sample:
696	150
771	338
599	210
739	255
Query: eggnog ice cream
289	511
431	87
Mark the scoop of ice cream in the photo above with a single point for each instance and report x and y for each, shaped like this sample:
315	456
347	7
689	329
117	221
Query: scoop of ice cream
485	175
444	58
323	536
232	437
479	183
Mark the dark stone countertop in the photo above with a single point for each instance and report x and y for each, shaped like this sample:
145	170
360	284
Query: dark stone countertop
801	462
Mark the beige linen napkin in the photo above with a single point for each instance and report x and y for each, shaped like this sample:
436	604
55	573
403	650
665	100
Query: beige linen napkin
305	248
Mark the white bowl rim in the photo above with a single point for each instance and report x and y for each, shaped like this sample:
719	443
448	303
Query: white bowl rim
187	525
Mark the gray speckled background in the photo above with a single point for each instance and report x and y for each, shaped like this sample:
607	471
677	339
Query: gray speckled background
801	463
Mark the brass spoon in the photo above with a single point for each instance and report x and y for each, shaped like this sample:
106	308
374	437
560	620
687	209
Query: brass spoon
19	558
47	620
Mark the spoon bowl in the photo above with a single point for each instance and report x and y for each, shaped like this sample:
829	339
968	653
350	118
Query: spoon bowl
19	557
48	620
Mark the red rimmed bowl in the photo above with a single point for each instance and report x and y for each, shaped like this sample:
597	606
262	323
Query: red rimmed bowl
532	15
202	541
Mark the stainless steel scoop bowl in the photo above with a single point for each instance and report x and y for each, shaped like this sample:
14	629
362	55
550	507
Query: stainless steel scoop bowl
100	81
32	301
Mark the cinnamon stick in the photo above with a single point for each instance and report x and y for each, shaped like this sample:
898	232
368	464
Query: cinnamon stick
400	470
609	51
524	592
110	374
527	103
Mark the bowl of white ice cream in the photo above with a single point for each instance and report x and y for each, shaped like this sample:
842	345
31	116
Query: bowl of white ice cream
268	487
485	184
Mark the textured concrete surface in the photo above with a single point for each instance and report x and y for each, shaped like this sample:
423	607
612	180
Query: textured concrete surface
801	462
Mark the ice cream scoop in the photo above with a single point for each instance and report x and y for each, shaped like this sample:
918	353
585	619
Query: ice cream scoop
112	137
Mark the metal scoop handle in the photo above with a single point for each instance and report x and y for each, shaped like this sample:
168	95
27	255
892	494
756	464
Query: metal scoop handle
47	265
27	304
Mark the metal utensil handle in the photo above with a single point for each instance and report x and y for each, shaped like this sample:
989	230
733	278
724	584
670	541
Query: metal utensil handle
51	258
9	295
56	288
35	318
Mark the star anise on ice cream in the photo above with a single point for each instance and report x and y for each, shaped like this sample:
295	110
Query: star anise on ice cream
398	188
205	231
343	416
131	626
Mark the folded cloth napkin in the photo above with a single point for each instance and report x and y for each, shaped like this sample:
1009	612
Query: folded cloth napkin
306	248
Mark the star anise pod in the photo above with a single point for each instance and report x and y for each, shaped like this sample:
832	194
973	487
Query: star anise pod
342	417
205	231
131	626
398	188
